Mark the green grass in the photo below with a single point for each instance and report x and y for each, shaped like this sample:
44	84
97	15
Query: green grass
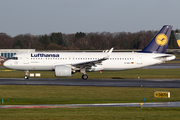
177	56
91	113
172	62
25	94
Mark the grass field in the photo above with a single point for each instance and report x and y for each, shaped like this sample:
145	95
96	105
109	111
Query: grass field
92	113
25	94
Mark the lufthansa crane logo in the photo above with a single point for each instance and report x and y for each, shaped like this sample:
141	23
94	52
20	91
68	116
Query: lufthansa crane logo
161	39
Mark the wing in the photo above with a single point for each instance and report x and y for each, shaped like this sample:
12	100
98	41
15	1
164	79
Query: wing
93	62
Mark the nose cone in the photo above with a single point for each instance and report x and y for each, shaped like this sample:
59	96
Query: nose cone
6	64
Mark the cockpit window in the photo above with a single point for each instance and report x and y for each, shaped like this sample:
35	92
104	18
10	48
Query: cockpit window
15	58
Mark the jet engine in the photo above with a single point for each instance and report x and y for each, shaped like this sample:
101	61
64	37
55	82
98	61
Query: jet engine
62	71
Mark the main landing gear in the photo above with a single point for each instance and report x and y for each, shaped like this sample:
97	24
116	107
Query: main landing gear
84	76
26	75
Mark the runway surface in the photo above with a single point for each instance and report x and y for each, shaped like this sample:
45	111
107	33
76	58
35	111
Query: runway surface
154	83
153	104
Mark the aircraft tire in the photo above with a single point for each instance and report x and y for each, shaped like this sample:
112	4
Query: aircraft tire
84	77
26	77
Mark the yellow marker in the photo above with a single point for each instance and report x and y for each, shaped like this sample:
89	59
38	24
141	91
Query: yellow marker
7	70
141	105
162	94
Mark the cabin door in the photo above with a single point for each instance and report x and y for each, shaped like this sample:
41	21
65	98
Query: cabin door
139	59
26	58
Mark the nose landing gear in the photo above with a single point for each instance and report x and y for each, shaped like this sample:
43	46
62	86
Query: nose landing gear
26	75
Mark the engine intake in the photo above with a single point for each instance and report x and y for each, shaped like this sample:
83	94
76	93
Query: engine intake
62	71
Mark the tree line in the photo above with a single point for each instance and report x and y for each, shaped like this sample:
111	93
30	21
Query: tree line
83	41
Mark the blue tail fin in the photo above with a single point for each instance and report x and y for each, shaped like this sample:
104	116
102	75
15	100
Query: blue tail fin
160	42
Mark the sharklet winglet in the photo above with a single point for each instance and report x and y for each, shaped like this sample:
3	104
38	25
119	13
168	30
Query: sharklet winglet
108	54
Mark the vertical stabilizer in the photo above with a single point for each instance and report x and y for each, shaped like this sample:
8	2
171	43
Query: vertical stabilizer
160	42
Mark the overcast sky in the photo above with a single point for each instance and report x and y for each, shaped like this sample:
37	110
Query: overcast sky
39	17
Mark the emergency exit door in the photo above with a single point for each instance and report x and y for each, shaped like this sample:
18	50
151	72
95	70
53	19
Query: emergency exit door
139	59
26	58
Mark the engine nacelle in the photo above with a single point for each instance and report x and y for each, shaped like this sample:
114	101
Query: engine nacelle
62	71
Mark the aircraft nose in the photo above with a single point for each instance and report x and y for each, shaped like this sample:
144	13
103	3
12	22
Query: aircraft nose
6	64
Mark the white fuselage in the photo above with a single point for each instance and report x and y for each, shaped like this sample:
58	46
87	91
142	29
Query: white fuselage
116	60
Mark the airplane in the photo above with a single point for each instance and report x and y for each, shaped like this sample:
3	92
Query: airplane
64	64
177	36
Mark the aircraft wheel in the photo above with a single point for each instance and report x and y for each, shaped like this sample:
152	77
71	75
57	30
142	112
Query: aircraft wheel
84	77
26	77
